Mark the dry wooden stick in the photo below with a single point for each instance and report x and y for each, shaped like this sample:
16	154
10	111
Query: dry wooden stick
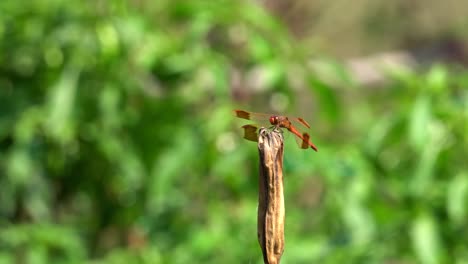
270	229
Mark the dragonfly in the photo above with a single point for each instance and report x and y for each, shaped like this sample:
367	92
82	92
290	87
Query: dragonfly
277	122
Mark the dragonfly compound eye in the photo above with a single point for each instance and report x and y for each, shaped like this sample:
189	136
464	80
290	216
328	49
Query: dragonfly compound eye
273	120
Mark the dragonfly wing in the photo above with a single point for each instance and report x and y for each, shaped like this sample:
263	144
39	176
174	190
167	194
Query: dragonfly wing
297	120
258	118
250	132
306	143
302	121
302	142
302	139
242	114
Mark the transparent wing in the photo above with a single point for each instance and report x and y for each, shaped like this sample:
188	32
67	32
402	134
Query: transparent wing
302	138
304	142
258	118
299	122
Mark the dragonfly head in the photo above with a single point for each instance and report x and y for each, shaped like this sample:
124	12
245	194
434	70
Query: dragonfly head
274	120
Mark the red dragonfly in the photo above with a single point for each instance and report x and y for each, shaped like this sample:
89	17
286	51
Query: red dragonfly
277	121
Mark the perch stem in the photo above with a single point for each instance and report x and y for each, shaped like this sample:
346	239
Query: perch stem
271	211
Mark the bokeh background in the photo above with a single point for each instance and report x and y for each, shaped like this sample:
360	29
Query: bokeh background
118	143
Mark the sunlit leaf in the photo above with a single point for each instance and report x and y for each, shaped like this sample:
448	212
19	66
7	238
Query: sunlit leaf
61	104
437	78
108	38
424	171
457	198
425	238
419	122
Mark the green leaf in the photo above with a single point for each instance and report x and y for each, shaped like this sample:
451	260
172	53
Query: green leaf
419	123
61	104
327	99
437	78
457	198
425	238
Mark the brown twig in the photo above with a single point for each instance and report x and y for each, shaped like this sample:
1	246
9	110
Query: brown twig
271	199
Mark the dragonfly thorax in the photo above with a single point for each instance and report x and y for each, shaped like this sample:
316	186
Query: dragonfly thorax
280	121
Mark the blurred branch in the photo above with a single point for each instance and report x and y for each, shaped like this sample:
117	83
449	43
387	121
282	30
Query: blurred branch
271	199
374	70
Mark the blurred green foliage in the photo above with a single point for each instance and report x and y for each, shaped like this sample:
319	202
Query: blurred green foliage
117	142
